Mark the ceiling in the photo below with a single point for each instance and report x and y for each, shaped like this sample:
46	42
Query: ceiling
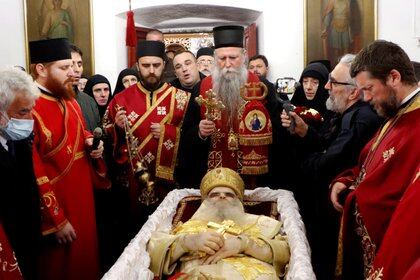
189	17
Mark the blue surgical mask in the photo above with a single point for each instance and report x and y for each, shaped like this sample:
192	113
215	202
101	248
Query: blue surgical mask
18	129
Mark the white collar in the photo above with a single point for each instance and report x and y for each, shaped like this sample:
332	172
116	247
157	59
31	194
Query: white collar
3	142
42	87
408	97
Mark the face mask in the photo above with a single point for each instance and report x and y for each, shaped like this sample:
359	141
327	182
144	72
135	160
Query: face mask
18	129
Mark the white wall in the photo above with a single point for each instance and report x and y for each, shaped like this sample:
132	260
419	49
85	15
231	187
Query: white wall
280	34
12	47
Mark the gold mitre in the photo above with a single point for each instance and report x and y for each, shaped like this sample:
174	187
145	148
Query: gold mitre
222	177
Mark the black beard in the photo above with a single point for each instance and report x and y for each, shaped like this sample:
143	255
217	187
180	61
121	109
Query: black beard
389	107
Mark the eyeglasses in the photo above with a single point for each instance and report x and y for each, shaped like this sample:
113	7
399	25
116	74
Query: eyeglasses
332	81
204	62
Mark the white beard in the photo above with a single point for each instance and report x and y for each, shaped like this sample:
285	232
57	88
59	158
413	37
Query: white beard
227	84
218	211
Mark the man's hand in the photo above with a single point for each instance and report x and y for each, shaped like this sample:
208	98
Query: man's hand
301	128
336	189
95	153
209	242
206	128
231	247
66	234
155	129
120	118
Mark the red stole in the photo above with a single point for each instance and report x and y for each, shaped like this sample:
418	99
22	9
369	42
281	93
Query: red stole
244	146
167	106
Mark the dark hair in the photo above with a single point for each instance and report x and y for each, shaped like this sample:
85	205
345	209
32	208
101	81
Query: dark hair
184	51
76	49
379	58
416	66
259	56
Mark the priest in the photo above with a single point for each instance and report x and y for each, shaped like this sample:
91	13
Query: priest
144	122
221	241
381	213
227	135
63	164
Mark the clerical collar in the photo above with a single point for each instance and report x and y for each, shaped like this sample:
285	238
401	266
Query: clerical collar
43	88
408	97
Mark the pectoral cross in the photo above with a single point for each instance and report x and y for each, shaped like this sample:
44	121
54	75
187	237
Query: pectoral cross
226	226
212	104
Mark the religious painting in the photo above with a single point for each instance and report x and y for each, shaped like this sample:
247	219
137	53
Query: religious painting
337	27
69	19
190	41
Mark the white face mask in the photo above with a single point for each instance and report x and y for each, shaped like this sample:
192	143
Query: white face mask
18	129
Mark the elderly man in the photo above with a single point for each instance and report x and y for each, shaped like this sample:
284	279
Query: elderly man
151	112
326	153
20	216
380	219
221	241
230	98
63	155
205	60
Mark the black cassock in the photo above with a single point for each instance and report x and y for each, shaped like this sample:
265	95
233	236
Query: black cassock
19	204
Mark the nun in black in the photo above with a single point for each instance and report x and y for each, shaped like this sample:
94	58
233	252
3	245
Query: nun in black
126	78
311	92
100	89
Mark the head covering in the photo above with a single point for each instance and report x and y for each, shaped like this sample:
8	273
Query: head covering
151	48
325	62
318	71
126	72
94	80
222	177
50	50
205	51
228	36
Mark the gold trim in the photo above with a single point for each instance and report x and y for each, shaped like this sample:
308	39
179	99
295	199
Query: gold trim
64	140
44	129
42	180
265	139
254	170
150	110
375	18
67	169
48	97
55	229
79	155
25	27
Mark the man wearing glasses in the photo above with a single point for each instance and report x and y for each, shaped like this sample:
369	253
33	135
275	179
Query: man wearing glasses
327	155
205	60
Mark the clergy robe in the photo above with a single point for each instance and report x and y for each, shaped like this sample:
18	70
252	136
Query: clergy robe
380	220
9	269
165	105
63	174
260	229
213	152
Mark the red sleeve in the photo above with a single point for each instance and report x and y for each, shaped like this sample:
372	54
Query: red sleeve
53	218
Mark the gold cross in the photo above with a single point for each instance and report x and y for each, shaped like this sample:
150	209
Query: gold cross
226	226
254	89
212	104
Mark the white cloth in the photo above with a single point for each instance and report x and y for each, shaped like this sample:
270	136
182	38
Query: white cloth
134	262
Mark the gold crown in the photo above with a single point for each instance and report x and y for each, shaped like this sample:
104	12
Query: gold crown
222	177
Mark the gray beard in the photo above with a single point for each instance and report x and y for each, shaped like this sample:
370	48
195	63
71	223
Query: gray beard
227	84
337	105
219	211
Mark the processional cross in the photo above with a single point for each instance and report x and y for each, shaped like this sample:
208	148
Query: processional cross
226	226
212	104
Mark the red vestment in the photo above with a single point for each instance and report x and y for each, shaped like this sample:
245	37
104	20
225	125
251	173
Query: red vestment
9	269
63	172
240	144
167	106
383	211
